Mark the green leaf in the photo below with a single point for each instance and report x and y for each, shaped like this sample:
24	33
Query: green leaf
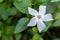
59	8
7	37
1	29
51	7
9	30
18	36
55	0
6	11
35	29
45	2
13	11
37	37
3	11
57	15
21	25
57	23
22	5
37	3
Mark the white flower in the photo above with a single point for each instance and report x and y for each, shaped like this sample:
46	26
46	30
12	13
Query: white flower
39	17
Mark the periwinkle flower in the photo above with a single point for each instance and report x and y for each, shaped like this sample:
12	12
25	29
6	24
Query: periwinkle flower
39	17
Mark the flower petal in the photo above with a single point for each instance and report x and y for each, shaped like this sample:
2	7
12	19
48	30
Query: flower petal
32	22
47	17
42	9
32	11
41	26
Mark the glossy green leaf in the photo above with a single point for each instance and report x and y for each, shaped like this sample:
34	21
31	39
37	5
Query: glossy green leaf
22	5
21	25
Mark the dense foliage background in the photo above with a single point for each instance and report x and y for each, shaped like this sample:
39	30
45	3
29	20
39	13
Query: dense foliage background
14	18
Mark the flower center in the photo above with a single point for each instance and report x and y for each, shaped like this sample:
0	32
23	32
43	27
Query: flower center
39	16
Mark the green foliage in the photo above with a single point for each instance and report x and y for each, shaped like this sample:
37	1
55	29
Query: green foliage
3	10
37	37
6	11
1	0
57	15
9	30
18	36
35	29
21	25
48	25
14	18
7	38
57	23
22	5
55	0
1	29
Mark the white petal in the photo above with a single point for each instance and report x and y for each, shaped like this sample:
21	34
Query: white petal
32	22
41	26
47	17
32	11
42	9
